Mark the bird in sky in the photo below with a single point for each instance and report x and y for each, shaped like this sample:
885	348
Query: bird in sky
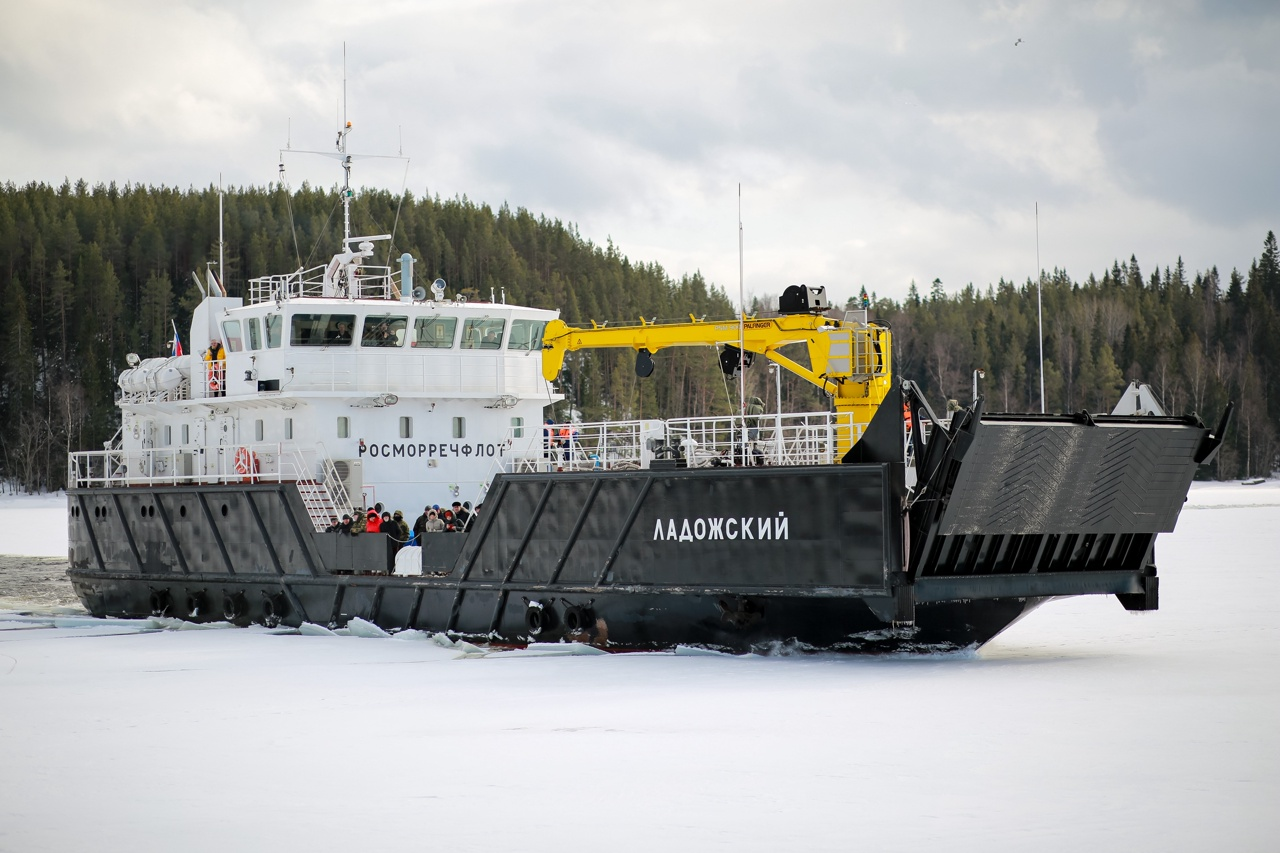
1018	42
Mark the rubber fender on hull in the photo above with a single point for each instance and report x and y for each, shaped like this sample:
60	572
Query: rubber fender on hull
578	618
234	606
274	608
540	618
197	604
161	602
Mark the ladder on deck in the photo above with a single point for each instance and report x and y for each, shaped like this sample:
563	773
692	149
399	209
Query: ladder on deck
322	509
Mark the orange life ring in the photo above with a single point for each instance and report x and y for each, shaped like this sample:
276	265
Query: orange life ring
246	463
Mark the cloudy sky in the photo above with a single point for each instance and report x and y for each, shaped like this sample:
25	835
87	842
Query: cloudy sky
875	143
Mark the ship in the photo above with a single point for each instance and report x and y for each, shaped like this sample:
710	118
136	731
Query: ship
873	525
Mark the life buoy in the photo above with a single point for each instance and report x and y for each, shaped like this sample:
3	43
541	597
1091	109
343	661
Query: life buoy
246	464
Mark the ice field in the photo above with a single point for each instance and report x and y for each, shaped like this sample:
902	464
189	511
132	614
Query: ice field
1082	727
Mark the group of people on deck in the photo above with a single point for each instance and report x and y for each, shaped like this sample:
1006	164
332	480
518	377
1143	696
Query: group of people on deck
459	518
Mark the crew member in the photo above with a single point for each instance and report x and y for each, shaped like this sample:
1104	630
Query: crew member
215	365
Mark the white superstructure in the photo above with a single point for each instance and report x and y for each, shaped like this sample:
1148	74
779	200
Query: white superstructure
414	400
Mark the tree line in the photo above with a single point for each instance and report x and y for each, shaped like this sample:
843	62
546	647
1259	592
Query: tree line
1197	340
89	274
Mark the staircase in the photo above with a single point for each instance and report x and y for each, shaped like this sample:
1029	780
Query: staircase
322	509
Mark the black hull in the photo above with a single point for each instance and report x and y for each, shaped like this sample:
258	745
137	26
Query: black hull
1009	512
617	619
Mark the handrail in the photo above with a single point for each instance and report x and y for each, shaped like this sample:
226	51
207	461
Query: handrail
225	463
799	438
372	282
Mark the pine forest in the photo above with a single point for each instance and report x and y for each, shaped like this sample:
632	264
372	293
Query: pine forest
90	274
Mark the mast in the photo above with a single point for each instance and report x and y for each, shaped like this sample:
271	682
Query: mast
742	343
1039	307
346	158
221	274
346	184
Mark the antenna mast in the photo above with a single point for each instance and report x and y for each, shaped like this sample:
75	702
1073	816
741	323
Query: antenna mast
221	273
1039	307
742	349
347	192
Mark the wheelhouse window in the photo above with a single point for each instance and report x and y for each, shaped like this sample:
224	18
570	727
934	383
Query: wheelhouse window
321	330
434	332
231	333
255	332
274	325
482	333
526	334
384	331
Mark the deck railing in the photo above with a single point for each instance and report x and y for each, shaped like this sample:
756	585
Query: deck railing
226	463
372	282
804	438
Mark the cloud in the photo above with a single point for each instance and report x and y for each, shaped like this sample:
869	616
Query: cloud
874	144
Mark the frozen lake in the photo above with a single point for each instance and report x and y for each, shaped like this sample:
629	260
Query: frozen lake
1082	726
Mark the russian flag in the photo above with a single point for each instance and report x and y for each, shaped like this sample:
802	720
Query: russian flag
177	341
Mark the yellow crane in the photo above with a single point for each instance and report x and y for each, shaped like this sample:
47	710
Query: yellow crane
848	359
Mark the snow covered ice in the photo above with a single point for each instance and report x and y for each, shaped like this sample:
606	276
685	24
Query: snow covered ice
1081	727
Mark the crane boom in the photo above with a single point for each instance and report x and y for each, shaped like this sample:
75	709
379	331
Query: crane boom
849	360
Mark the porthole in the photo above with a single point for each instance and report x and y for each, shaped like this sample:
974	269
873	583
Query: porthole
182	510
142	511
152	511
224	510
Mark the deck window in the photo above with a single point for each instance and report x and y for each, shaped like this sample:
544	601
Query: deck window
344	427
406	427
517	424
482	333
459	427
384	331
321	330
186	433
434	332
274	324
288	429
526	335
231	333
255	332
257	430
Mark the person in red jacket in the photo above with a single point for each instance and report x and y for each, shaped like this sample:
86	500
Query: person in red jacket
374	524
